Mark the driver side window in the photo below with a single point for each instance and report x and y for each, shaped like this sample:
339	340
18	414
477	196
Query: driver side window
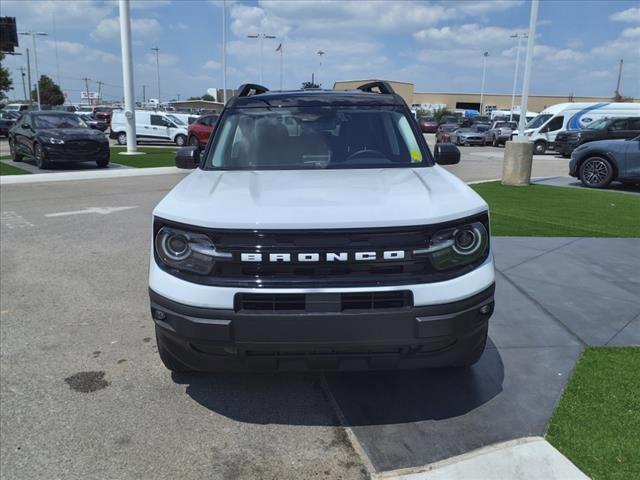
554	124
158	121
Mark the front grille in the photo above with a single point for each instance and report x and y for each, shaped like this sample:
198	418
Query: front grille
295	274
322	302
82	147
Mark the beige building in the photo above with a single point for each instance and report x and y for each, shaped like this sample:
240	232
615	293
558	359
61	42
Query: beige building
500	101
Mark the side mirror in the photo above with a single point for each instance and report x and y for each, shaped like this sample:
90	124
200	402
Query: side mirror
447	154
188	157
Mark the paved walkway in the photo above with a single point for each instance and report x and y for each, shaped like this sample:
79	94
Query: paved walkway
565	181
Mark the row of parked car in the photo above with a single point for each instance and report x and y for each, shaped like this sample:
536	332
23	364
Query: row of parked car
479	133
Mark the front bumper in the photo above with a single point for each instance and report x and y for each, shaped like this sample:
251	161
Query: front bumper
58	153
472	141
566	147
412	337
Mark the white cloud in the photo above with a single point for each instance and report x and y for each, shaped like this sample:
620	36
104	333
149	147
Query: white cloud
165	59
142	4
178	26
211	65
109	28
472	35
70	14
630	15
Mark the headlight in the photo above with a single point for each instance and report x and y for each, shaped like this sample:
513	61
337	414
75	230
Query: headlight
55	141
187	251
457	246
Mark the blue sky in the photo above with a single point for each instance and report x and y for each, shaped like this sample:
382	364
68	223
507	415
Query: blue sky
437	45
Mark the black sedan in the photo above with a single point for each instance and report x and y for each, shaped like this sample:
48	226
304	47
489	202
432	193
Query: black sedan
599	163
49	137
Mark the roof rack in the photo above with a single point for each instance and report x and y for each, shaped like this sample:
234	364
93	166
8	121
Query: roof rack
248	89
383	87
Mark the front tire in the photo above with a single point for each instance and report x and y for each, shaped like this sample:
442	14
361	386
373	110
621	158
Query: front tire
15	156
496	143
596	172
38	153
193	141
539	147
181	140
168	360
121	138
103	162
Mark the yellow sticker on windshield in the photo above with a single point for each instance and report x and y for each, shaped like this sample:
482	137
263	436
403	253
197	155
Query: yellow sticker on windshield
416	157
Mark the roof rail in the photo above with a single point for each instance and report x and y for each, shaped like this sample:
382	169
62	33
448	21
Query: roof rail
246	89
383	87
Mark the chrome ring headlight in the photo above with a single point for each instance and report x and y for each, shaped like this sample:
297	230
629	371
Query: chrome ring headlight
457	246
467	240
187	251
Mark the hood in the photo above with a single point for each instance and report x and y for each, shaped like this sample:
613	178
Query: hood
295	199
72	133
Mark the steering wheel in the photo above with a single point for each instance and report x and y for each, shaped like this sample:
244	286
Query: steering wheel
365	152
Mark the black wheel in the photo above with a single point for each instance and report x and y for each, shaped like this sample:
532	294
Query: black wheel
181	140
193	141
169	361
38	152
539	147
496	143
596	172
15	156
122	138
103	162
474	355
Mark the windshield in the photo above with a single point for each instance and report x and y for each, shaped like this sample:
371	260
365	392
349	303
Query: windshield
598	124
58	120
316	137
175	119
538	121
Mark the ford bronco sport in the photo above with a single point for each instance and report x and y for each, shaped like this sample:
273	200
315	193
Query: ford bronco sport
317	231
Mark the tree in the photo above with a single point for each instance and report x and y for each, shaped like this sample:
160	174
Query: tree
5	80
208	98
50	93
440	113
306	85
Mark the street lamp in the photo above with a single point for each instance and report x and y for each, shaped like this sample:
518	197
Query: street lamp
484	70
519	36
320	54
157	50
261	37
35	55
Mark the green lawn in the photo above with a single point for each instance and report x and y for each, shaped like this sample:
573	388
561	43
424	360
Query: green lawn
546	211
597	422
155	157
6	169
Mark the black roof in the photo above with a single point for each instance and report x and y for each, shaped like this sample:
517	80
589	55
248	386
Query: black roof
315	97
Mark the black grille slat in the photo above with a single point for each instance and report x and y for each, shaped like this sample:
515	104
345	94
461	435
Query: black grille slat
376	300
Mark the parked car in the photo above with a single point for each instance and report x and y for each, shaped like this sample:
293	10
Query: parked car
150	126
483	119
103	114
443	133
499	132
7	119
16	107
449	119
93	123
603	129
467	136
428	124
345	246
599	163
49	137
200	130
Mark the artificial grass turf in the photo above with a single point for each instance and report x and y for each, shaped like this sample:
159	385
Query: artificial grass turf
547	211
597	422
6	169
154	157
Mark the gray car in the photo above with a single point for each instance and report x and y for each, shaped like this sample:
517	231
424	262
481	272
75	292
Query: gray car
499	132
599	163
467	136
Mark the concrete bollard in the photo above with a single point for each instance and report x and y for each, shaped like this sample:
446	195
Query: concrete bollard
516	167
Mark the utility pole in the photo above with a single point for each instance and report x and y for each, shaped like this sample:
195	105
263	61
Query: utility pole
484	71
157	50
618	95
24	87
519	36
144	94
86	83
100	91
261	37
33	36
29	78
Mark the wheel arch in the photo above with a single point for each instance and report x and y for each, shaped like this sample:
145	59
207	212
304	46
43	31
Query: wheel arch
599	153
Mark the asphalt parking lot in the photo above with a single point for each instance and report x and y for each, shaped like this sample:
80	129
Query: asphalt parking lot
84	394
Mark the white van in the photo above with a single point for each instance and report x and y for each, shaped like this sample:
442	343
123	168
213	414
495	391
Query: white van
572	116
150	126
511	115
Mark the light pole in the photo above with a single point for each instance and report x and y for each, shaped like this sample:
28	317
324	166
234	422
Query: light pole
35	57
224	52
157	50
261	37
484	71
519	36
127	77
320	54
527	71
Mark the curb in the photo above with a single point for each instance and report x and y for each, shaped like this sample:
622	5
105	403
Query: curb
86	175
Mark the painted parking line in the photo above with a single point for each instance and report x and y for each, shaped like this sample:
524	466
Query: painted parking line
97	210
12	219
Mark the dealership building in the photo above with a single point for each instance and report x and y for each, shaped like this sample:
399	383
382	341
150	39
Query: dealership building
471	101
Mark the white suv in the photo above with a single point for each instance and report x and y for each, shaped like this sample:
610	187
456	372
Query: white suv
340	244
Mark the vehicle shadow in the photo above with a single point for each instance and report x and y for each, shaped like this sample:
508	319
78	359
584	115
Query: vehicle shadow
64	166
363	398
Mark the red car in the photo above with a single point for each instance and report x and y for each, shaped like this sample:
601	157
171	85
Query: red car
201	129
443	134
428	124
